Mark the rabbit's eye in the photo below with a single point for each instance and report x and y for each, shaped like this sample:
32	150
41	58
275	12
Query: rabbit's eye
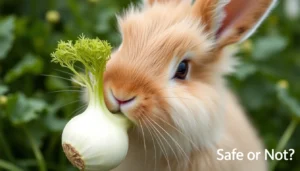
182	70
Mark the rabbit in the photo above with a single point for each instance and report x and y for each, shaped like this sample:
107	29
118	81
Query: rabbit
167	77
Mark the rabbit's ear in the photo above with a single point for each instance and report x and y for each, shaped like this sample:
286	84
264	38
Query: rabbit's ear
151	2
232	21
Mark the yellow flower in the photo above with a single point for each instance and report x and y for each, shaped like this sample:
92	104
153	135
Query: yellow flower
247	46
53	16
94	1
283	84
3	100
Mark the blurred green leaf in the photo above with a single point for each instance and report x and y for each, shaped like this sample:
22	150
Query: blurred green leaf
3	89
289	101
103	19
267	46
30	64
51	121
38	131
6	35
244	70
21	26
21	109
53	83
55	124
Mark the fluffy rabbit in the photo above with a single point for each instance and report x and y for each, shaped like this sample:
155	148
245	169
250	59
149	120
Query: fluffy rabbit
167	78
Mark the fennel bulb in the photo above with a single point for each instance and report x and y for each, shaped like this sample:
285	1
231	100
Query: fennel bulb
95	140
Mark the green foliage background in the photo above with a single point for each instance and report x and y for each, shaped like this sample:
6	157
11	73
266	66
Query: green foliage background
36	102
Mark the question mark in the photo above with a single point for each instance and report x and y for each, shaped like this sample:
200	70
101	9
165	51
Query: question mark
293	151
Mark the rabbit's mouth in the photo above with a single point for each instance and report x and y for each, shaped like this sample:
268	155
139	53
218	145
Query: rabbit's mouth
124	104
120	104
123	107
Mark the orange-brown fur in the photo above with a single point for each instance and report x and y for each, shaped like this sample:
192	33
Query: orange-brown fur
179	123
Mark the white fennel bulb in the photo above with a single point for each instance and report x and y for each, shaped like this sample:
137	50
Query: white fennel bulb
95	140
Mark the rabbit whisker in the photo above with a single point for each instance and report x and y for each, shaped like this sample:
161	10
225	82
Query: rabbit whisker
80	68
153	142
73	87
65	72
158	135
68	103
79	110
151	120
177	144
195	146
55	76
144	141
60	91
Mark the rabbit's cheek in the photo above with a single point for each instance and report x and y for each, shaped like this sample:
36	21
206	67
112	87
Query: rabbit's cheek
129	110
147	109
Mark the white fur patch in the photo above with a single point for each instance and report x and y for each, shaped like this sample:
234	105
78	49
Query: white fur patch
229	61
198	124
